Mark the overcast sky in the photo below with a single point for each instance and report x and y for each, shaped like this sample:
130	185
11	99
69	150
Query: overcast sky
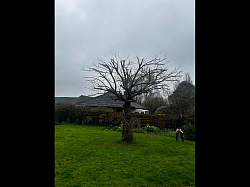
86	29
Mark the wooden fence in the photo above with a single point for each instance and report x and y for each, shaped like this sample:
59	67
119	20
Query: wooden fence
160	121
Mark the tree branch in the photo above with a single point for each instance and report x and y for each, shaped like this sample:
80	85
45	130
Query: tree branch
124	75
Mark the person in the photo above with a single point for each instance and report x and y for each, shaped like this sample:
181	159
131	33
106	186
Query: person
178	128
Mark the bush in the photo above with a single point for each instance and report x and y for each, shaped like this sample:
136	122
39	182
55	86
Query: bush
153	129
152	103
170	132
161	110
63	110
190	131
168	110
66	109
89	120
139	130
110	118
191	115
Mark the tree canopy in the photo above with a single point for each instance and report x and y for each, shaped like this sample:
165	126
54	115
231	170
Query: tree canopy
127	79
183	98
152	103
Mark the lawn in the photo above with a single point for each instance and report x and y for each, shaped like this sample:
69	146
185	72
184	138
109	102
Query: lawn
90	156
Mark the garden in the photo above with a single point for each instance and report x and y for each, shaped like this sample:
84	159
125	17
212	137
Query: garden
87	155
111	120
189	129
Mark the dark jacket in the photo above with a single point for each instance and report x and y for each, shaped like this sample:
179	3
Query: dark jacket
178	122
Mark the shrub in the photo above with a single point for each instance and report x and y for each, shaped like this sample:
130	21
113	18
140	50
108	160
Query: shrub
110	118
139	130
152	103
170	132
153	129
89	120
63	110
168	110
66	109
161	110
119	129
191	115
190	131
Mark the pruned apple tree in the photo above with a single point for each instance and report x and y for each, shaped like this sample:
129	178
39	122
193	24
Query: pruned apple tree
127	79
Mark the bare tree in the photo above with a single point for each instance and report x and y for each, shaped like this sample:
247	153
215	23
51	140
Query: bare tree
188	78
120	77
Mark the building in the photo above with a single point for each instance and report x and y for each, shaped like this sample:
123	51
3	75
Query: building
106	100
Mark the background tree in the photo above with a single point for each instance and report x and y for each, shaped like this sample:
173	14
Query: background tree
183	98
153	93
152	103
167	93
187	78
168	110
120	77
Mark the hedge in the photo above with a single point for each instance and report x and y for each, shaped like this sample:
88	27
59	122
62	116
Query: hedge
69	113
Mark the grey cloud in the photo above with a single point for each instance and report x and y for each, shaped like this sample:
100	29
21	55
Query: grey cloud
91	28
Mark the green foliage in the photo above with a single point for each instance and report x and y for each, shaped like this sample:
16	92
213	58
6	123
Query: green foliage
110	118
89	120
191	115
113	128
150	129
63	110
90	156
119	128
152	103
79	113
161	110
170	132
139	130
169	110
190	131
183	98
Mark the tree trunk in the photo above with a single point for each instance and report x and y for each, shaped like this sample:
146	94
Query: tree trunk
127	133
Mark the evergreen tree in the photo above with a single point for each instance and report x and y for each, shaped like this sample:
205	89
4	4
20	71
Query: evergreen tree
183	98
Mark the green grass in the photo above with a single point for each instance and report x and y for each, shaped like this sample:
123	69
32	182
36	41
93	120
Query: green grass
91	156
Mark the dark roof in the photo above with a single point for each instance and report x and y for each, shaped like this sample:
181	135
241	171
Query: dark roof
66	99
72	100
107	100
